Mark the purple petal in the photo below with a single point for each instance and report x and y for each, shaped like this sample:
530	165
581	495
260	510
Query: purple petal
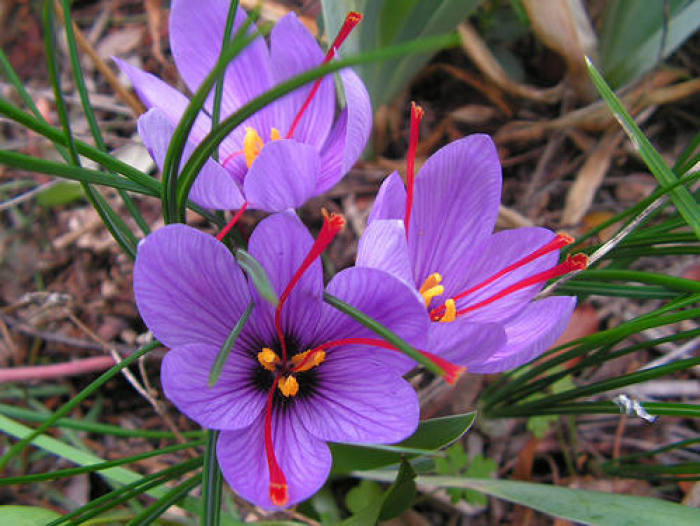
383	246
188	287
457	193
495	253
196	35
305	460
280	243
386	299
233	403
531	333
293	50
464	342
390	202
283	176
349	135
214	186
359	400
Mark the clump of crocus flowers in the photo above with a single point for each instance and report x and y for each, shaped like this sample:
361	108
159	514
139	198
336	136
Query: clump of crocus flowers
301	373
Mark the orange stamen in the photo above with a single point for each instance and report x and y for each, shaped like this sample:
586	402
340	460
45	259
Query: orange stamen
308	360
351	20
224	231
332	224
279	491
451	371
571	264
559	241
416	116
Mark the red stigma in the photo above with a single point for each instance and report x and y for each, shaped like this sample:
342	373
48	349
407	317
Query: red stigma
332	224
416	116
351	20
279	491
451	371
571	264
221	235
559	241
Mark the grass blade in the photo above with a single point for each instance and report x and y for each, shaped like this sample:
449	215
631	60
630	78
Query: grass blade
228	345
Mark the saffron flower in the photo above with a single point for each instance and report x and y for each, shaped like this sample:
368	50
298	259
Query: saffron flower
286	153
477	286
300	374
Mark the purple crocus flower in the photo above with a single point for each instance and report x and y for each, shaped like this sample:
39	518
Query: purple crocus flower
477	286
286	153
297	376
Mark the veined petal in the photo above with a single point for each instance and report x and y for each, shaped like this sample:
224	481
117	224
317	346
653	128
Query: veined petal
304	459
349	136
457	193
383	246
531	333
383	297
196	34
358	399
466	343
283	176
233	403
390	202
188	287
214	186
487	258
280	243
294	50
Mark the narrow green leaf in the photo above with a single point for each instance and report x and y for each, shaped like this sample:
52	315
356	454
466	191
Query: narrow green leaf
99	466
687	206
211	483
225	350
62	193
605	408
79	80
74	402
172	497
258	275
583	506
382	332
431	435
219	87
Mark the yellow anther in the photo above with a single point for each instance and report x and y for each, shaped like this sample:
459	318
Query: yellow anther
308	360
430	282
431	287
288	386
268	358
252	144
275	134
450	311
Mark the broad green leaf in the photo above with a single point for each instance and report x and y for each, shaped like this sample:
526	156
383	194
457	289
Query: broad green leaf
26	515
583	506
389	504
431	435
62	193
358	497
635	34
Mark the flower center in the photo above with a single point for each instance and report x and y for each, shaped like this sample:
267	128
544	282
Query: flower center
285	373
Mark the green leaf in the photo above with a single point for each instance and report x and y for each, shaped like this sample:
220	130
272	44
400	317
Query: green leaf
358	497
258	275
635	34
394	501
27	515
62	193
681	197
584	506
431	435
211	483
226	348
